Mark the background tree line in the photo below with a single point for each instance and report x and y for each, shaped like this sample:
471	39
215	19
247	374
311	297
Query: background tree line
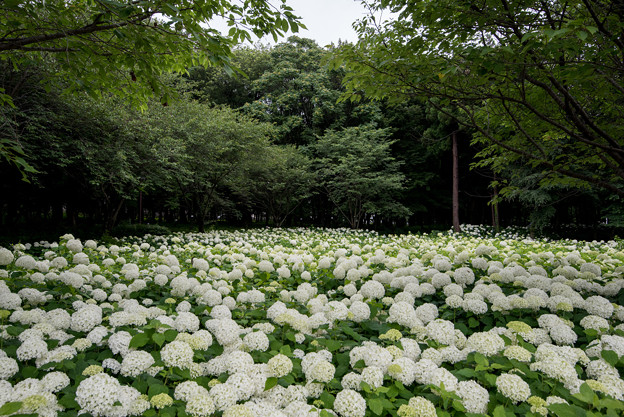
273	147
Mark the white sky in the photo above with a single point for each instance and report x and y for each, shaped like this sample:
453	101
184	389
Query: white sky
326	20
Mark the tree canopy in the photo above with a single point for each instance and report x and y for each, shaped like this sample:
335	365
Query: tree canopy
125	46
540	81
273	148
359	174
90	40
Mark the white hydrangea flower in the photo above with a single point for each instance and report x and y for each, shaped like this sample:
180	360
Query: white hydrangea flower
321	371
6	256
599	306
474	397
200	405
187	390
224	396
442	331
177	353
98	394
486	343
373	289
55	381
422	407
32	348
403	370
350	403
8	368
359	310
513	387
279	365
135	363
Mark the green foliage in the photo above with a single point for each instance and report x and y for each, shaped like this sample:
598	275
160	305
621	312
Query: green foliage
202	149
299	93
282	180
358	173
538	81
125	46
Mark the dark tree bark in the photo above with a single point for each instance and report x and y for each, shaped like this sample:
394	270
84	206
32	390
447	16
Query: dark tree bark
456	227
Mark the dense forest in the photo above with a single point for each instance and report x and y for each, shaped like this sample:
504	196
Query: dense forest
276	142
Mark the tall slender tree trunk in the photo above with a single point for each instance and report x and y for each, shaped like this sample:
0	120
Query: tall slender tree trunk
456	227
140	207
201	224
495	214
111	218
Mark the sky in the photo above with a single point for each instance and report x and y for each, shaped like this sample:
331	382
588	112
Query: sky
326	20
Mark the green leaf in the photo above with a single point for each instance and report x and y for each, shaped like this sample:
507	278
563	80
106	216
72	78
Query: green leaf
528	36
182	411
491	379
332	345
170	335
29	372
69	401
156	389
365	386
349	331
566	410
328	399
586	394
473	323
270	383
285	349
158	338
612	404
610	356
14	330
376	406
457	405
167	412
373	310
499	411
480	359
10	408
139	340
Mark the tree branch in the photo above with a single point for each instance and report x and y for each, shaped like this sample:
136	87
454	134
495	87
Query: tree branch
19	43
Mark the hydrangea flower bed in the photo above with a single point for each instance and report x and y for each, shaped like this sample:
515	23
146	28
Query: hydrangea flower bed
312	322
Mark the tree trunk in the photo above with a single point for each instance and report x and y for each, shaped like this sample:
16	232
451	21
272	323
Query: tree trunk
456	227
111	220
495	215
200	222
140	207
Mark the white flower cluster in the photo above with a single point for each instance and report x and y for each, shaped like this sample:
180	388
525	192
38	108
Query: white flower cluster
230	280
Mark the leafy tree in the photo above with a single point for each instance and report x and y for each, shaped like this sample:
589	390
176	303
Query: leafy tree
90	40
203	150
540	81
359	174
278	181
299	93
295	92
215	85
124	46
81	154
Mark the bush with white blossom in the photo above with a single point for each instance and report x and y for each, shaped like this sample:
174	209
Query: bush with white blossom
312	322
